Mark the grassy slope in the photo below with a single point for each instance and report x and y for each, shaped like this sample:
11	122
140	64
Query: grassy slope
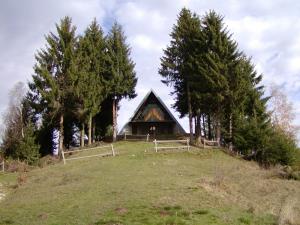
138	187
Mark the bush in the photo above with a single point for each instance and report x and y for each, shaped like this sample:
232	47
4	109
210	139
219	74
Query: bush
27	149
267	144
296	164
279	149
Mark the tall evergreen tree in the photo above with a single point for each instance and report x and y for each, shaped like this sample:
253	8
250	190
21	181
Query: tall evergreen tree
179	57
53	71
91	86
251	123
121	75
220	56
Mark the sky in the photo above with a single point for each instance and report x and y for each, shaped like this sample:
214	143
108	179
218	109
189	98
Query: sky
268	31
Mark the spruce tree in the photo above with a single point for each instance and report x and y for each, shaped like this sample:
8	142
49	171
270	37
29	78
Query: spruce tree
252	123
121	75
90	83
177	64
53	72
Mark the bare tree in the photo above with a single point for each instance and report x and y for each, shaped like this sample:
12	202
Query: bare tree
13	118
282	112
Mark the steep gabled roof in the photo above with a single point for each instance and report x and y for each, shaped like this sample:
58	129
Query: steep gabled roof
163	105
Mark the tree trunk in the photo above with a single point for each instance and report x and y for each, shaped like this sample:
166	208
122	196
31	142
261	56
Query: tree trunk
22	127
198	127
90	130
209	127
195	125
82	135
230	132
203	125
218	130
61	134
94	130
114	112
190	113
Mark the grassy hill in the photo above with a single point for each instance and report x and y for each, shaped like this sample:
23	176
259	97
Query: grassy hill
140	186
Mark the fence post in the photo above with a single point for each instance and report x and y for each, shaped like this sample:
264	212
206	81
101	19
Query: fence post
147	137
204	143
188	144
112	149
125	136
155	143
63	156
2	166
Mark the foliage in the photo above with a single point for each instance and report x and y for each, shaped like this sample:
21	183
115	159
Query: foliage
280	148
14	121
120	71
282	112
179	60
53	72
73	76
216	83
27	150
90	85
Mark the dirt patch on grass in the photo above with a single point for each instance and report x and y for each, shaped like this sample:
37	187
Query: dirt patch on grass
121	211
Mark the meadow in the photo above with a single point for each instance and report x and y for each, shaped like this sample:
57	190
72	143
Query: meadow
139	186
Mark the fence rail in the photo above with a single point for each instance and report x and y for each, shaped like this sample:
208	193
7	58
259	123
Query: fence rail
134	137
110	153
156	142
208	143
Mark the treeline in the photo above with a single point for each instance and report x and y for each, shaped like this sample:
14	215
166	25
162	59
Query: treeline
216	85
77	84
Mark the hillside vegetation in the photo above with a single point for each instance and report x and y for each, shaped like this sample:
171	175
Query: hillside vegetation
139	186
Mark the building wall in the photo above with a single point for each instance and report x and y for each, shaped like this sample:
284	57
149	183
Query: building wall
148	128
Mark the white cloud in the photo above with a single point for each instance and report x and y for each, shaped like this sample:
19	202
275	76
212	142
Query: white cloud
145	43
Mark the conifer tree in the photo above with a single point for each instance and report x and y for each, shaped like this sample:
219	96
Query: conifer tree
53	71
252	122
90	84
177	64
121	75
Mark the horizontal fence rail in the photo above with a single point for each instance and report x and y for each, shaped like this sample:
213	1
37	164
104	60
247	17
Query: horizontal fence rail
156	143
134	137
208	143
110	153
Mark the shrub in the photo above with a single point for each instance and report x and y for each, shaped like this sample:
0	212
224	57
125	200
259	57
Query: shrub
279	149
27	149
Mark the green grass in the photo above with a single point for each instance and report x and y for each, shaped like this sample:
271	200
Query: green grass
142	187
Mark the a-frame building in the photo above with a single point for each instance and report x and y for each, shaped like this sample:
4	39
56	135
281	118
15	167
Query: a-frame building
152	117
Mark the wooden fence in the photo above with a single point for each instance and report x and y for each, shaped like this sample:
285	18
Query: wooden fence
136	137
208	143
157	142
108	153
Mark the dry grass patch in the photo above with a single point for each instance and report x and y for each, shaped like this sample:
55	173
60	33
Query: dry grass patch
251	187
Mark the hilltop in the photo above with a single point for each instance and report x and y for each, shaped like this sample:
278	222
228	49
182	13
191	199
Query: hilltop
139	186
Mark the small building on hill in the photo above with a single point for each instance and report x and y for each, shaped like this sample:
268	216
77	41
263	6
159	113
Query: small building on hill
152	117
